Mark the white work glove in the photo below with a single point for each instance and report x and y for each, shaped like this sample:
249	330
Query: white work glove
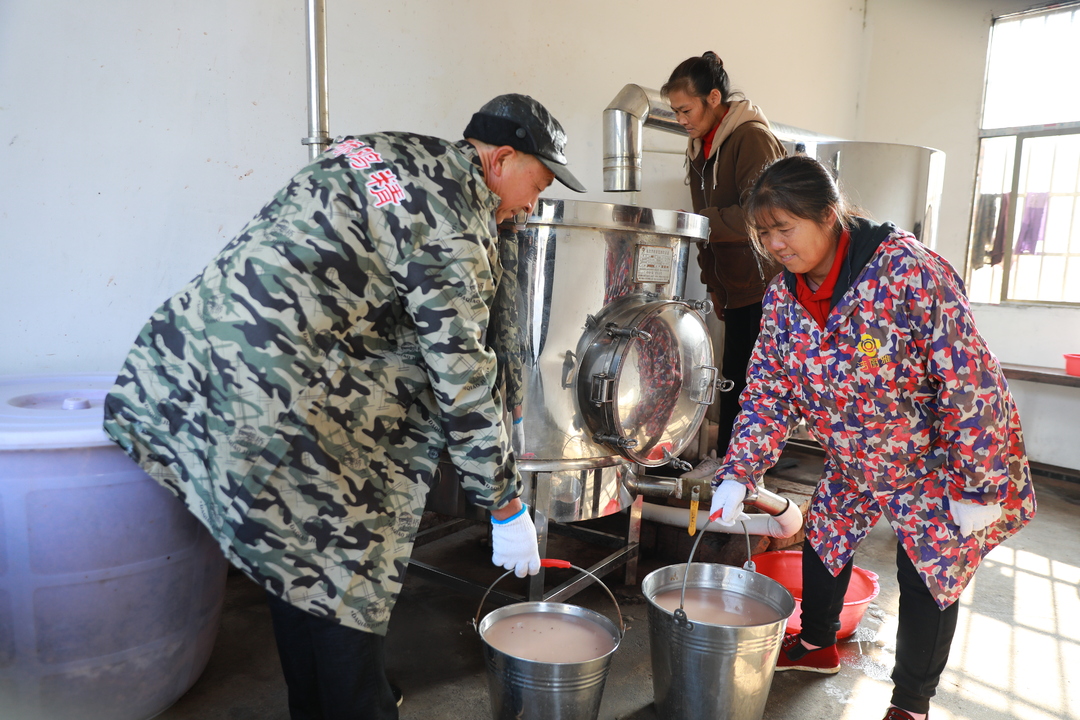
513	543
727	502
972	517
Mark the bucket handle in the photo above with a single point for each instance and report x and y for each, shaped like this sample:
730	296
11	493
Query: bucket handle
680	613
553	563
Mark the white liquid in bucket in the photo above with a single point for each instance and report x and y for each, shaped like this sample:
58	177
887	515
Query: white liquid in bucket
549	637
718	607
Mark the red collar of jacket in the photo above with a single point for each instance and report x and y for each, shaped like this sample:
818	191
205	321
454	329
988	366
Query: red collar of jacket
819	302
706	142
866	236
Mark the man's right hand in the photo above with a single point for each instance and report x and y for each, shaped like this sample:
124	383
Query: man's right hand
514	545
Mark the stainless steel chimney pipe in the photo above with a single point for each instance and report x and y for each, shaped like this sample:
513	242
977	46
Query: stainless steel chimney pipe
318	113
633	109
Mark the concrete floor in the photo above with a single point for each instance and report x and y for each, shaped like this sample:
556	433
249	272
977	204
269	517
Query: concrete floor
1016	653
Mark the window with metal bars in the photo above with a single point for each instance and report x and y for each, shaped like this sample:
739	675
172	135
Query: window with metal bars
1025	229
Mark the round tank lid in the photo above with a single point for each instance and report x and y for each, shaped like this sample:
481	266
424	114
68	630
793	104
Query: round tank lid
607	216
49	412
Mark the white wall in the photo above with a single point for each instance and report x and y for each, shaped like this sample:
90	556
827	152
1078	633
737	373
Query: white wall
1037	335
926	64
136	138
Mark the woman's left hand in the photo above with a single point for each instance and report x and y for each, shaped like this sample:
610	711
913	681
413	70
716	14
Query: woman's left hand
972	517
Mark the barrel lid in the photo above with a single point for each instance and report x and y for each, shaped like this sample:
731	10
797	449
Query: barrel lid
607	216
49	412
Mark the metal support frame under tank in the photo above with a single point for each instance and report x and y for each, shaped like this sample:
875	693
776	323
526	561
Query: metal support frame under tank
625	547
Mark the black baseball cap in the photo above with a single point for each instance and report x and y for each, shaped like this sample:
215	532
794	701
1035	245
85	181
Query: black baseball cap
525	125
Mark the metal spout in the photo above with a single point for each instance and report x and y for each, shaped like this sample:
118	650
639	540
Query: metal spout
652	486
767	502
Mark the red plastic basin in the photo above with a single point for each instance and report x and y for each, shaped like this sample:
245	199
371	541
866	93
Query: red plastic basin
785	567
1072	364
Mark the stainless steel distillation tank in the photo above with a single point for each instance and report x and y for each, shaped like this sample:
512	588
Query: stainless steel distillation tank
610	366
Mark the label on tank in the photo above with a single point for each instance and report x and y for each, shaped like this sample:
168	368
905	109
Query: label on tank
653	264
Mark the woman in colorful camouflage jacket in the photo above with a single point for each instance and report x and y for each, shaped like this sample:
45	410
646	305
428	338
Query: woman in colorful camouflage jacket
868	338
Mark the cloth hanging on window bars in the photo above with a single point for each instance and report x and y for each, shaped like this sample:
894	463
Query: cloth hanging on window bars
992	210
998	252
1033	224
986	213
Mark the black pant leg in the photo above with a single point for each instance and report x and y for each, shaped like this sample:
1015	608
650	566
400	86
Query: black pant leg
297	654
923	639
333	672
823	598
741	328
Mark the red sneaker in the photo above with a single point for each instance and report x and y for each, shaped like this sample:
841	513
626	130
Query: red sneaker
795	656
896	713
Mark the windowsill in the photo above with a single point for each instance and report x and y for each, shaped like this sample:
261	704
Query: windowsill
1018	305
1037	374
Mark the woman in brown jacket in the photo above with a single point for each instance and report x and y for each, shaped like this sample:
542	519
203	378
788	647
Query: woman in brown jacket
730	144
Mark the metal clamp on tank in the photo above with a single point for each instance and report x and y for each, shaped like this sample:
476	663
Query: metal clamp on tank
705	307
603	387
677	462
616	441
627	332
708	384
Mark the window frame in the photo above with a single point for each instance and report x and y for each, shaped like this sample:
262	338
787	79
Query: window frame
1021	133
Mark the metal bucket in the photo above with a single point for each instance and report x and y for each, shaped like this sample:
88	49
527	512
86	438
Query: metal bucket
714	672
530	690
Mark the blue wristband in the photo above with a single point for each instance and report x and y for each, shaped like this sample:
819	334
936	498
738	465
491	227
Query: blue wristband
516	515
518	421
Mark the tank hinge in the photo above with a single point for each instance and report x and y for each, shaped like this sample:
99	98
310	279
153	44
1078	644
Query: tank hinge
603	388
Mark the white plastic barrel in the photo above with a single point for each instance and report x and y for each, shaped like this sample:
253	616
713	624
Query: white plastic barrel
110	590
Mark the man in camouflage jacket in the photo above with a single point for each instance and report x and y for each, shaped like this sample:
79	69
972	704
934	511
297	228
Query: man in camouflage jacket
298	393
